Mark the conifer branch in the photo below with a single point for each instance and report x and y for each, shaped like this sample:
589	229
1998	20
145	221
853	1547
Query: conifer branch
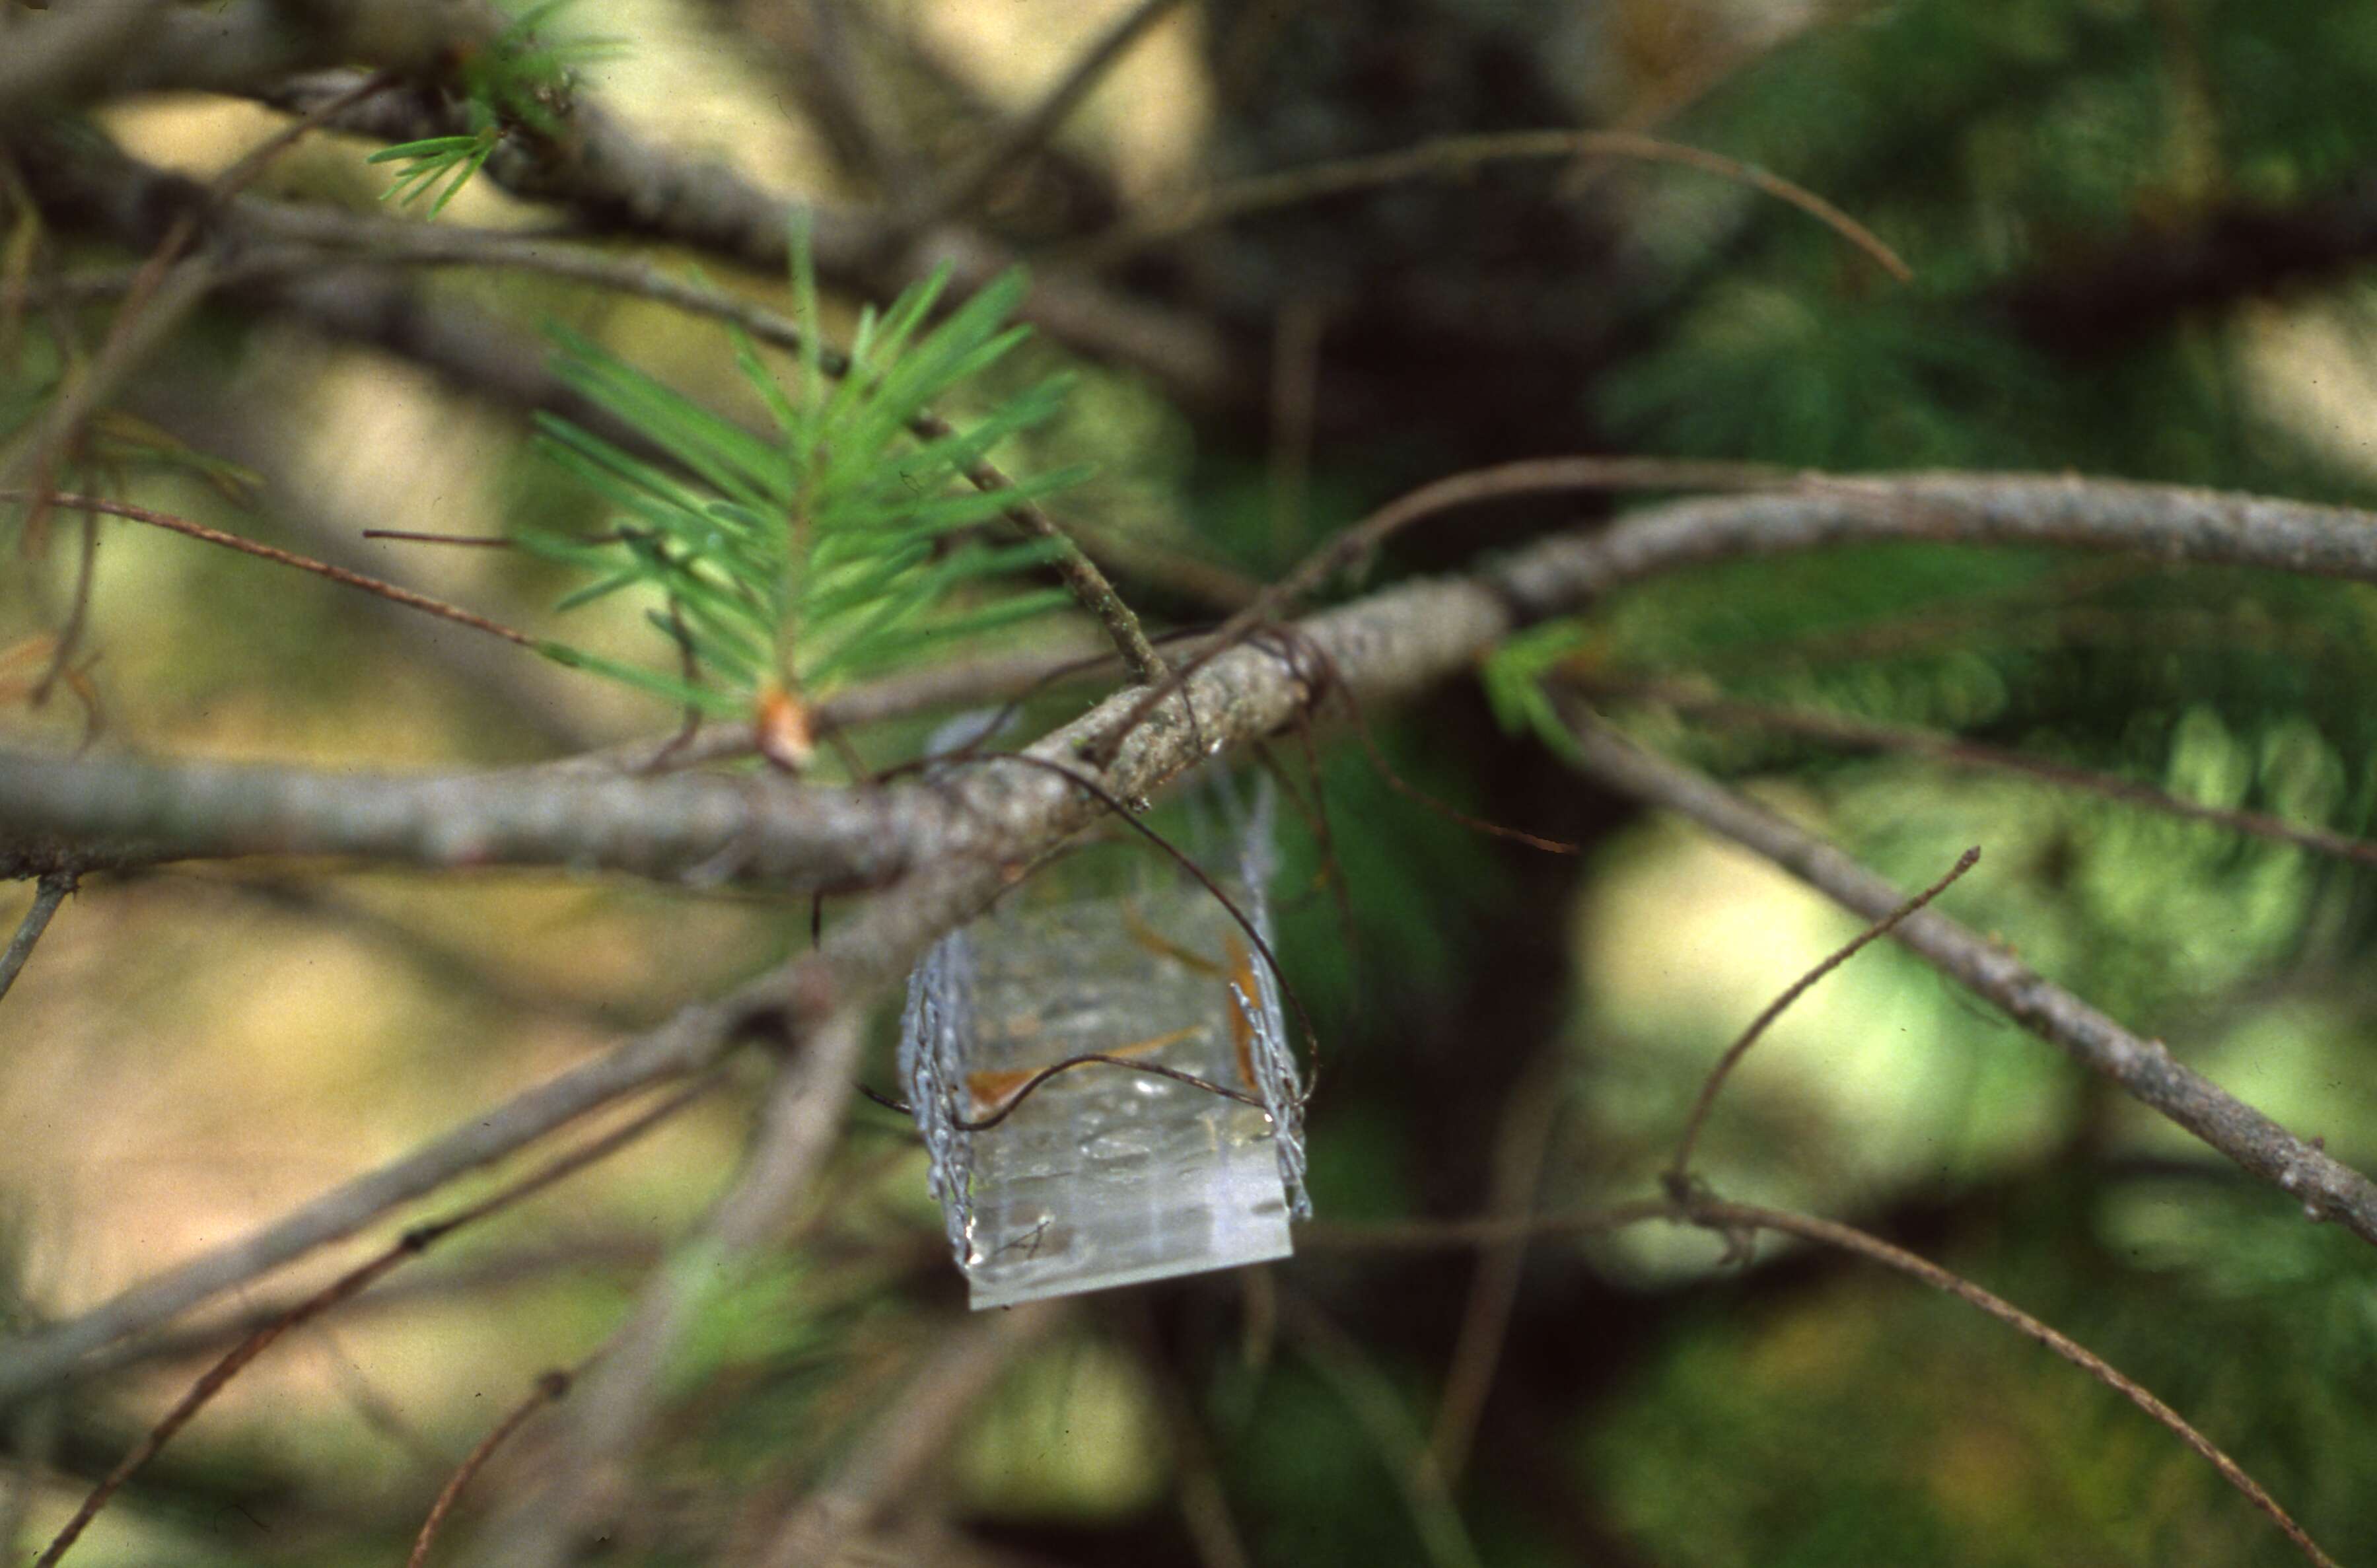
1390	645
2145	1070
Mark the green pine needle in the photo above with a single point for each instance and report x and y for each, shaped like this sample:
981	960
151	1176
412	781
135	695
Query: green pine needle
510	83
836	548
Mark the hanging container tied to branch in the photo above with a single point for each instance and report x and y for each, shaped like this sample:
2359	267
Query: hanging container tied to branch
1104	1084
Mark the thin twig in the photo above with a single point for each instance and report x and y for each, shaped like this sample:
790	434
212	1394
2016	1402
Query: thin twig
1524	1137
1732	1220
1733	1217
550	1389
48	891
1458	155
893	1453
798	1128
1089	585
2327	1188
1677	1178
1198	1492
1335	1355
689	1043
422	244
138	330
972	179
1833	730
413	1244
1531	476
340	575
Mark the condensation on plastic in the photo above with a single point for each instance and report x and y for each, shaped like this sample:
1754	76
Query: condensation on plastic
1104	1176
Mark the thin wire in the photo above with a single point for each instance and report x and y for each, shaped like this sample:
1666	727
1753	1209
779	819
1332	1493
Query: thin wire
1122	813
1032	1084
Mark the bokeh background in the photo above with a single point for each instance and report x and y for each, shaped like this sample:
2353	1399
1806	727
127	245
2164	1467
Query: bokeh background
2139	231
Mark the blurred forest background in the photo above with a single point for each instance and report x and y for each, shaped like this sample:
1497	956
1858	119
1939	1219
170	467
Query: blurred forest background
2138	232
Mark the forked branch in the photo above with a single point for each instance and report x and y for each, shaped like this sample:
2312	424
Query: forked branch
2327	1188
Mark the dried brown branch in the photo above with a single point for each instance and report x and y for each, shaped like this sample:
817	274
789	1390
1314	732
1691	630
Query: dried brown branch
550	1389
1678	1178
2145	1070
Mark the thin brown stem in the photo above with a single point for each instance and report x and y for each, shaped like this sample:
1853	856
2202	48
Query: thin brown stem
1089	585
550	1389
340	575
1726	1217
1678	1180
1526	1135
1733	1220
1457	155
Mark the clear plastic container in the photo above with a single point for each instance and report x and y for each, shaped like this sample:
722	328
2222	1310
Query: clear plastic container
1108	1173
